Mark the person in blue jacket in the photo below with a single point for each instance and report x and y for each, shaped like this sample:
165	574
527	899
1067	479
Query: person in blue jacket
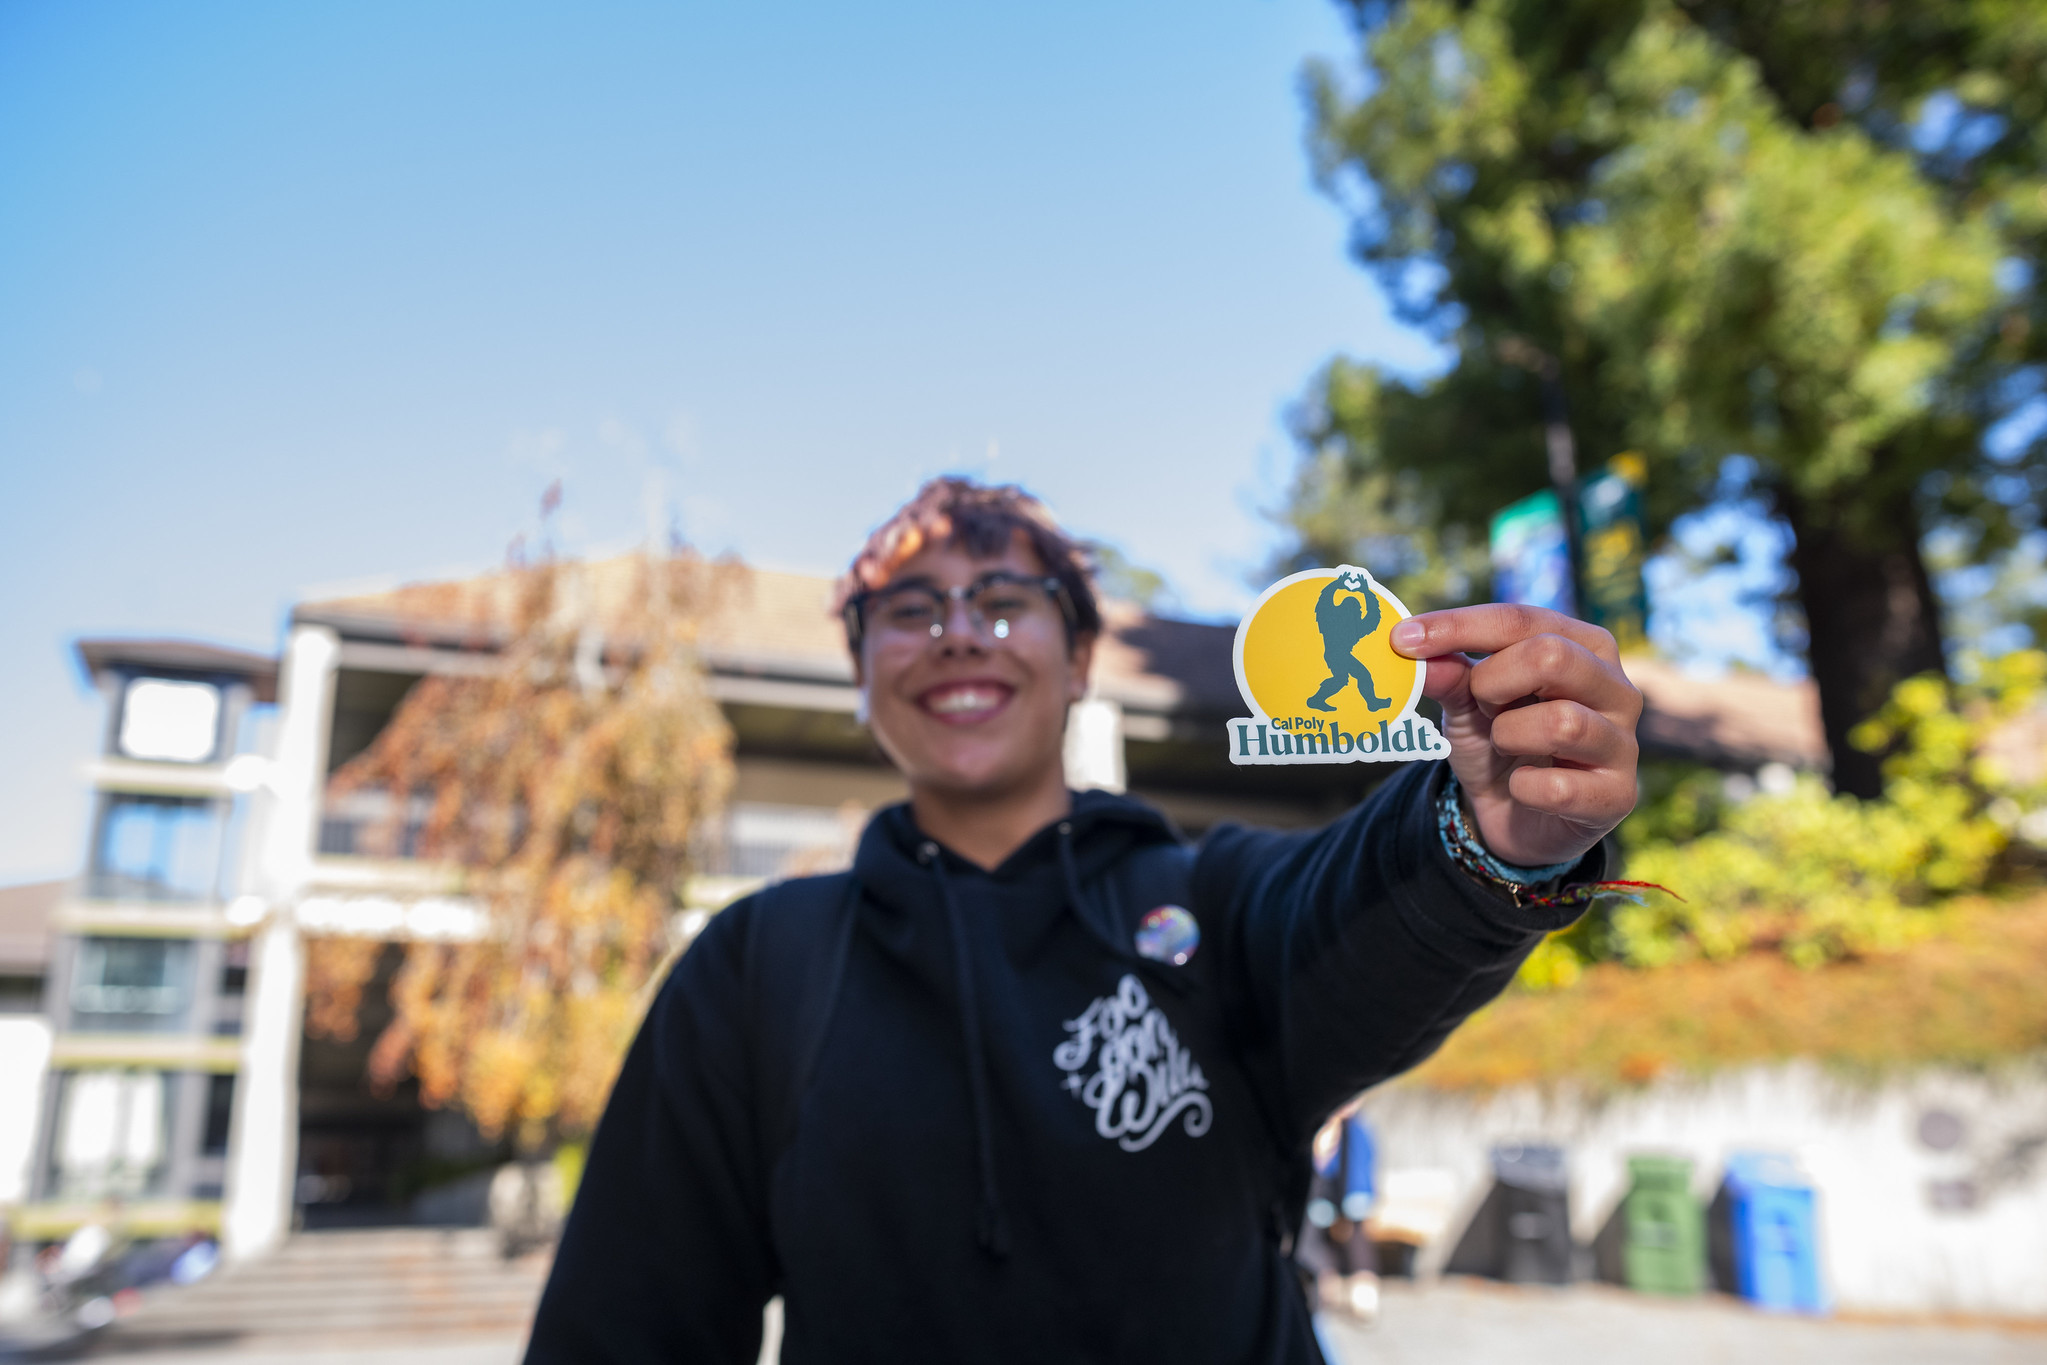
1335	1243
1034	1080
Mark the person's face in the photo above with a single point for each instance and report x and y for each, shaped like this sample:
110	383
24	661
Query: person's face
980	708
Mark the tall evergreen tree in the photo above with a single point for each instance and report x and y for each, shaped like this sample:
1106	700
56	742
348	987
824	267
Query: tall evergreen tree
1699	230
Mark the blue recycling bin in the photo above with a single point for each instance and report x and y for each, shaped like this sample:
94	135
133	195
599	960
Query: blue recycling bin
1775	1233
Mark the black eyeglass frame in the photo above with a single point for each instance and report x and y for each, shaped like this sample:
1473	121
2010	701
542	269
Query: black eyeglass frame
854	612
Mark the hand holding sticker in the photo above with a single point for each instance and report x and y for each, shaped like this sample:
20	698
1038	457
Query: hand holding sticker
1541	732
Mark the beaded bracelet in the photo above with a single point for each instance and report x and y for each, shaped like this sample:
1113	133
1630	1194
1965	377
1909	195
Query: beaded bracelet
1464	847
1519	883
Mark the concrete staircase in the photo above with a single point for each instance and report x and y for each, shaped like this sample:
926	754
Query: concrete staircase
345	1287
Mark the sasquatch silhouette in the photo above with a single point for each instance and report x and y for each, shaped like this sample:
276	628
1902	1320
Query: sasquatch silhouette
1343	624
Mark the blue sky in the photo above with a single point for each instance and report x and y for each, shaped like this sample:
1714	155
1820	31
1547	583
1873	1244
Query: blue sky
300	294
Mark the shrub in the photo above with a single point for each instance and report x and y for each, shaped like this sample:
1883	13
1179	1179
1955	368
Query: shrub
1820	877
1969	996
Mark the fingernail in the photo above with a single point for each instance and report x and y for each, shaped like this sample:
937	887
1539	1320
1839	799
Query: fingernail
1408	634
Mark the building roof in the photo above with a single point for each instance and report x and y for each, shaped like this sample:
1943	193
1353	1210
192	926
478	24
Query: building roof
770	624
181	656
765	622
25	926
1735	720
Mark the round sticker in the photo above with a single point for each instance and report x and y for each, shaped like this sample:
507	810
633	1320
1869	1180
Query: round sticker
1168	934
1315	663
1318	647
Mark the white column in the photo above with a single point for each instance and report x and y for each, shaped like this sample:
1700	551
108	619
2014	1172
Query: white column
24	1053
263	1140
297	777
1094	745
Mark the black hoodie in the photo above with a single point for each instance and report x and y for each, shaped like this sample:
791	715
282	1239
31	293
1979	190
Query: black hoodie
1015	1138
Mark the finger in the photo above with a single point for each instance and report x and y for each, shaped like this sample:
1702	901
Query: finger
1446	679
1493	627
1564	731
1552	666
1591	798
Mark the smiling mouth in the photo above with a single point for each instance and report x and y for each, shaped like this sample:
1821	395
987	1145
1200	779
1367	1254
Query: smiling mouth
963	703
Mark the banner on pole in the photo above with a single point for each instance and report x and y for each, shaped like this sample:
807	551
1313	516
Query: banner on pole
1532	554
1610	550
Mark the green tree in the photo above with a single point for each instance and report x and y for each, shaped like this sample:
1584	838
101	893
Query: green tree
1349	505
1634	237
1121	578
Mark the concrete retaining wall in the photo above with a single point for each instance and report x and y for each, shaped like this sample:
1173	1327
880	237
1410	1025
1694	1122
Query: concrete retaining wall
1932	1188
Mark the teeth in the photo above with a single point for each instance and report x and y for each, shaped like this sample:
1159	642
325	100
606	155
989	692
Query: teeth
966	699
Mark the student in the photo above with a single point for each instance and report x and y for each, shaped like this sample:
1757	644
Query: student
1034	1081
1335	1243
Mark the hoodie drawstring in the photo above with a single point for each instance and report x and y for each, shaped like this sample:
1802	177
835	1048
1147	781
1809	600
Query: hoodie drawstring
991	1227
1071	869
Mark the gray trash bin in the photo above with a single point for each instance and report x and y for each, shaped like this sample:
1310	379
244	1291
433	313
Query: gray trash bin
1534	1209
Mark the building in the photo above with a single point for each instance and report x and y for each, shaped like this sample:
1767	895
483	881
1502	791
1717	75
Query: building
24	1029
146	967
181	1081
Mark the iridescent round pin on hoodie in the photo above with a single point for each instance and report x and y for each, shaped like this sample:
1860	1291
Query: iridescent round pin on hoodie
1168	934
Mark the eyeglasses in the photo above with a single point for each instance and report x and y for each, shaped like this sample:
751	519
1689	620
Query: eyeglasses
998	604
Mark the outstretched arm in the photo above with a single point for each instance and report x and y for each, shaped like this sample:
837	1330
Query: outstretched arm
1355	950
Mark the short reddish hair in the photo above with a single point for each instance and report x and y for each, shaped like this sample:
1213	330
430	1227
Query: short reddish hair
980	519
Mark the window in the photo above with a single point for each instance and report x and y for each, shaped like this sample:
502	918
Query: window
234	968
21	994
131	984
170	722
159	848
220	1112
111	1131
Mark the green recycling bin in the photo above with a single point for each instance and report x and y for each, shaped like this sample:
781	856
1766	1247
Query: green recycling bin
1664	1251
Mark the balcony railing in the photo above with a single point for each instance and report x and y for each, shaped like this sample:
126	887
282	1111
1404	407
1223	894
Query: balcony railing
360	824
759	840
752	839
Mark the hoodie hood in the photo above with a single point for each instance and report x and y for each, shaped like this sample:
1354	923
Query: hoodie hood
1103	827
1029	891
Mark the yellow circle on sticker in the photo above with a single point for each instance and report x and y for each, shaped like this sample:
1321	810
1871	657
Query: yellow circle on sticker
1316	648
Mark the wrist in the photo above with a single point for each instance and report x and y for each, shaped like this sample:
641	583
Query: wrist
1458	830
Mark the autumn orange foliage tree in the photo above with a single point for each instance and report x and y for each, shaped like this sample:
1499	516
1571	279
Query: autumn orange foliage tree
564	786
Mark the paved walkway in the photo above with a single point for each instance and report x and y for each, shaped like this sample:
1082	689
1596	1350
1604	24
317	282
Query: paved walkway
1456	1322
1473	1322
493	1352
